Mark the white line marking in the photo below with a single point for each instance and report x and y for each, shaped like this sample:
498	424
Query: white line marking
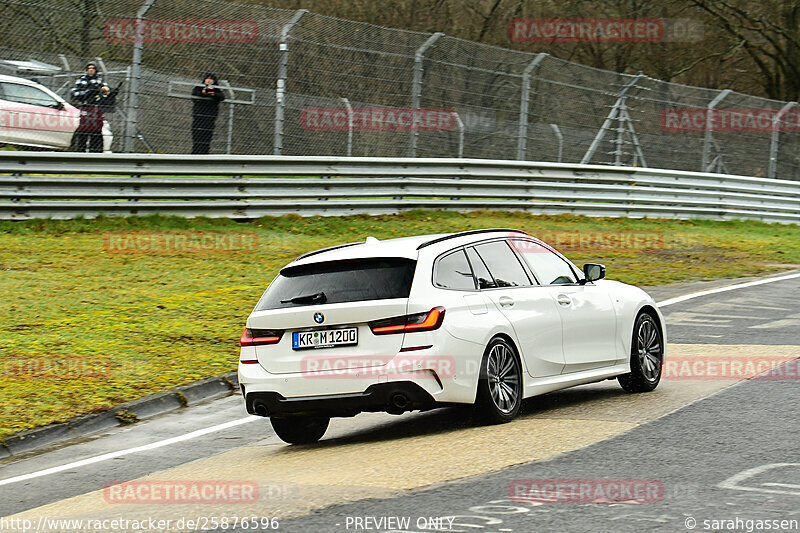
693	295
785	485
733	482
128	451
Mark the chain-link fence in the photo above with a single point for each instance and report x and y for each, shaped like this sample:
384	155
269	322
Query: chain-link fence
299	83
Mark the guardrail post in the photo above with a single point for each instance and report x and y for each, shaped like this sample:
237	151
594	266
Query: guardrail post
522	135
709	127
349	126
416	87
773	145
133	86
280	86
616	111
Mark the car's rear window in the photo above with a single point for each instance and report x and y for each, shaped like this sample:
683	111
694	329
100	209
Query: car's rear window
355	280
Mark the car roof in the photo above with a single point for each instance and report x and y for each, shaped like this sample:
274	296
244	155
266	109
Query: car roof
16	79
406	247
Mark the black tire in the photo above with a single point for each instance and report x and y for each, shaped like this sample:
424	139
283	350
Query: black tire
499	395
300	429
647	356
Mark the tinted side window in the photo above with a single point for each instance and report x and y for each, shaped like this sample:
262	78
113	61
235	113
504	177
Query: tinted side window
453	272
503	264
485	279
547	266
24	94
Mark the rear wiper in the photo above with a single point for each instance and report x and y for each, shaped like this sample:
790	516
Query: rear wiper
317	298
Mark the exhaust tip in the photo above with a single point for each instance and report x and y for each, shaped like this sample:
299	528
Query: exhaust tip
260	408
400	401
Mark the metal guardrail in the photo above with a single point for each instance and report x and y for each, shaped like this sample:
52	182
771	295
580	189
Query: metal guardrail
67	185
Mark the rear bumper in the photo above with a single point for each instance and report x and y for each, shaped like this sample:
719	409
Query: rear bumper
396	397
441	378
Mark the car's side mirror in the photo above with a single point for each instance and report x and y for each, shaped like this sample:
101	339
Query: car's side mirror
593	272
58	105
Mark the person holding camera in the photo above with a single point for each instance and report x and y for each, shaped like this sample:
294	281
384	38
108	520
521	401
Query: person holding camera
204	112
88	94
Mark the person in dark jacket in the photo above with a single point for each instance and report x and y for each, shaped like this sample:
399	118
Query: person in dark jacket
88	94
204	113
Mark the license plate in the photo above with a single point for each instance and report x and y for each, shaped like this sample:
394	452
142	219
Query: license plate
326	338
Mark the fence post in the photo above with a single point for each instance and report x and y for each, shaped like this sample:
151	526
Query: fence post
280	88
101	67
460	125
133	87
65	63
416	87
349	126
709	128
773	145
229	136
522	136
560	138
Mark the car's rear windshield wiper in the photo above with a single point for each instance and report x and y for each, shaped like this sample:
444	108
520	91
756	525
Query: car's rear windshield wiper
317	298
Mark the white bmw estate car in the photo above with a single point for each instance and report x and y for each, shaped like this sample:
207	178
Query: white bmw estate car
484	318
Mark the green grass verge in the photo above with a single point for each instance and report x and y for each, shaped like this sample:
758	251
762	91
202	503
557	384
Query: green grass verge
83	326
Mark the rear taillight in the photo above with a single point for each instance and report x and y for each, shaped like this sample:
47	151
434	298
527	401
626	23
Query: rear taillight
257	337
425	321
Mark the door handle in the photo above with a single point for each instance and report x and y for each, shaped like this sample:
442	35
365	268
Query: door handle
505	301
563	299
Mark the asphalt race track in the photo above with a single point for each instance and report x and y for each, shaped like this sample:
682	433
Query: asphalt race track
712	449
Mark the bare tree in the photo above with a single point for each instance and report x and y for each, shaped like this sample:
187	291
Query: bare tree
752	46
769	33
